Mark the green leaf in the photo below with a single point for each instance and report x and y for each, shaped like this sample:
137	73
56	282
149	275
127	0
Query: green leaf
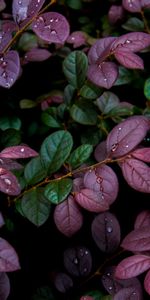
74	4
147	89
80	155
35	206
75	68
96	294
107	297
43	293
106	102
133	24
69	93
84	112
49	120
28	41
55	150
27	103
61	109
58	190
10	122
125	76
10	137
90	91
34	171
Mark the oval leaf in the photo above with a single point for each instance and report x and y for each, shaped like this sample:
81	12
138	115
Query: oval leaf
130	293
142	220
51	27
147	282
9	68
77	38
9	164
37	55
63	282
132	6
84	112
142	154
91	200
147	89
100	50
128	59
133	41
15	152
34	171
100	152
137	240
107	101
127	135
58	190
24	9
132	266
9	183
106	232
4	286
67	217
80	155
9	259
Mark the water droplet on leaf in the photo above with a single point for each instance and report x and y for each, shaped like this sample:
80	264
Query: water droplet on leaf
114	147
75	261
109	229
7	181
22	150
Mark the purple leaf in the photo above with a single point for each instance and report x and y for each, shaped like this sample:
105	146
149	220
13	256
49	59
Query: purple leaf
142	154
37	54
137	174
51	27
132	5
77	38
23	10
107	101
132	266
67	217
147	282
128	59
9	183
100	50
104	181
9	68
100	152
2	222
130	293
78	184
8	257
78	261
145	3
133	41
9	164
137	240
4	286
7	28
106	232
2	5
116	13
63	282
142	220
91	200
103	74
127	135
15	152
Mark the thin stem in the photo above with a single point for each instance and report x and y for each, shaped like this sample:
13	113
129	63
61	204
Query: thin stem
20	31
145	21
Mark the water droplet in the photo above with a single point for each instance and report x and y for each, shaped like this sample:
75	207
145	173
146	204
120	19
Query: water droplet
38	1
108	274
119	128
35	26
47	27
7	181
22	150
56	20
41	19
86	252
114	147
110	288
7	190
130	5
36	5
11	79
19	2
51	20
1	161
73	38
7	84
4	63
2	58
53	32
84	270
81	252
128	41
102	197
75	261
4	75
127	146
109	229
105	79
100	66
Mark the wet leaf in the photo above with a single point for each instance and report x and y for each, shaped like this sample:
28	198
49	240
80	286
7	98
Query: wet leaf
92	200
147	282
80	155
34	171
9	68
25	9
142	219
63	282
137	240
20	151
9	259
36	54
142	154
9	183
100	50
128	59
133	41
58	190
130	293
4	286
100	152
132	6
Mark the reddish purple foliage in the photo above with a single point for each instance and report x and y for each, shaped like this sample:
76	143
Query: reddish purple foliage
63	282
147	282
9	183
92	200
20	151
4	286
142	219
9	259
137	240
115	14
9	68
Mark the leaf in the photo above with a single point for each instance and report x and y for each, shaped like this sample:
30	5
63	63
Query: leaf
125	76
104	181
107	101
132	6
133	24
9	183
78	184
126	135
7	122
74	4
9	164
106	232
4	286
2	222
9	68
58	190
63	282
128	59
147	282
94	294
103	75
35	206
67	217
80	155
133	41
115	14
43	293
34	171
78	261
25	9
91	200
55	149
90	91
37	54
75	68
27	103
142	219
137	240
49	120
20	151
147	89
69	93
77	38
9	261
132	266
100	152
51	27
84	112
142	154
145	3
130	293
137	174
100	50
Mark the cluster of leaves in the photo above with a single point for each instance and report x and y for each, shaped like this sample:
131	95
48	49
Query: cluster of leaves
87	136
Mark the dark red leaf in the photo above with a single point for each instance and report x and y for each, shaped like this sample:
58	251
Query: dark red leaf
142	220
37	54
100	152
145	3
147	282
137	174
7	28
9	183
132	5
4	286
132	266
9	164
2	222
130	293
63	282
142	154
78	184
116	13
127	135
23	10
67	217
128	59
15	152
8	257
100	50
91	200
104	181
77	38
9	68
103	74
78	261
133	41
51	27
137	240
106	232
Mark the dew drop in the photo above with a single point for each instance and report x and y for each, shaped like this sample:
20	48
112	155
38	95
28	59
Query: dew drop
99	66
119	128
56	20
114	147
38	1
22	150
11	79
75	261
4	75
35	26
86	252
109	229
7	181
84	270
110	288
73	38
4	63
53	32
105	79
19	2
36	5
51	20
7	84
1	161
2	58
108	274
102	197
40	19
128	41
7	190
47	27
127	146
